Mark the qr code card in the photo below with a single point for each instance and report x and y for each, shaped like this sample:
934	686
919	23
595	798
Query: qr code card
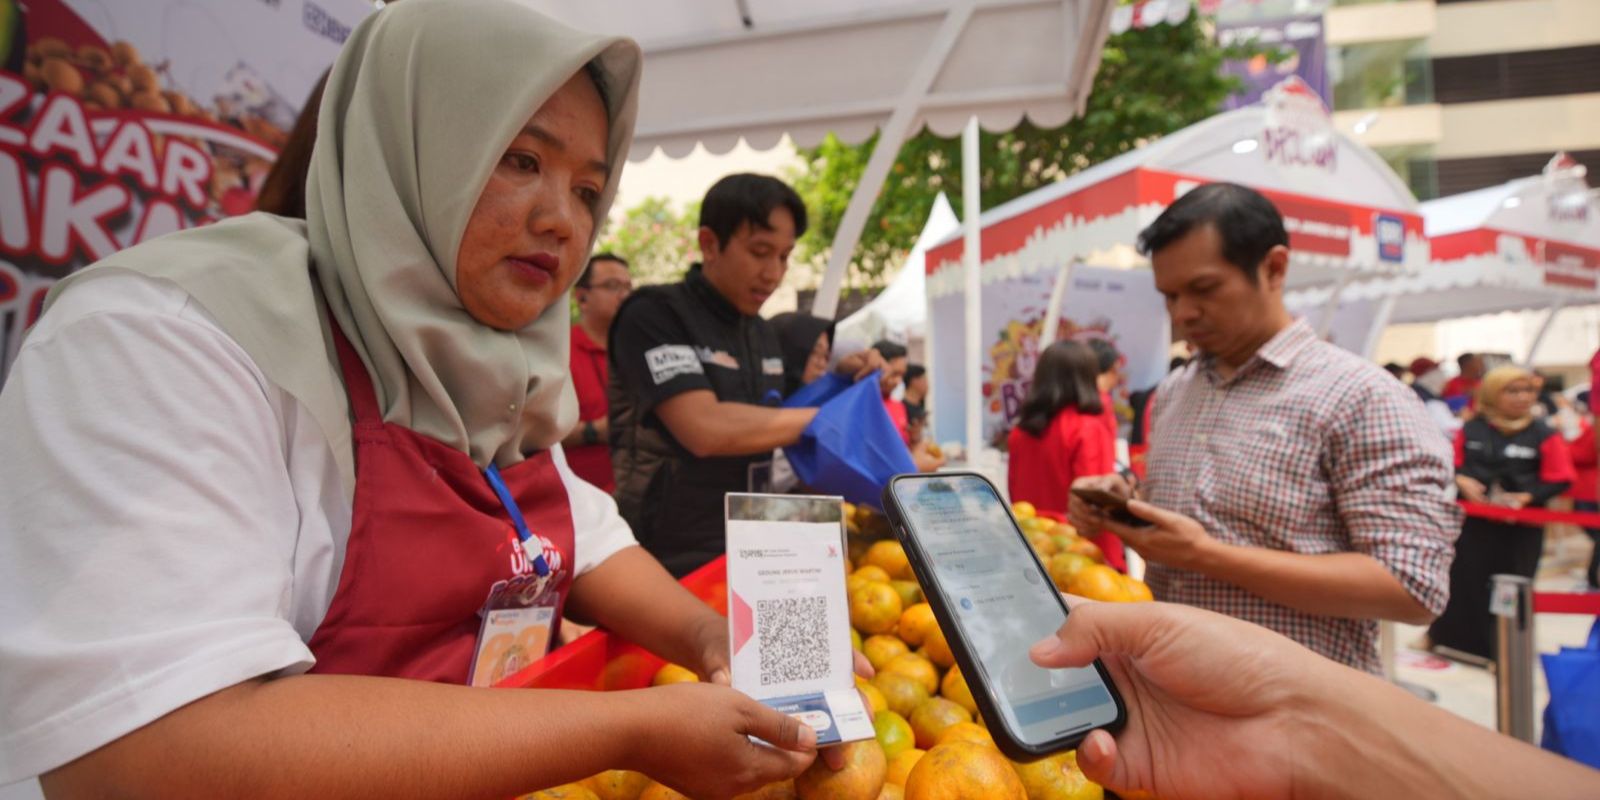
788	620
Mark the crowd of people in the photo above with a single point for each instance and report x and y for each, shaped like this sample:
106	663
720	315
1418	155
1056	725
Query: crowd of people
286	471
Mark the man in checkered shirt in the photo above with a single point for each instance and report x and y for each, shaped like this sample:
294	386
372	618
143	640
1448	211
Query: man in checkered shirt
1290	483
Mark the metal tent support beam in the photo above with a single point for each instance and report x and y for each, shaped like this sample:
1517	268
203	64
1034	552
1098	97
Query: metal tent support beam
1380	322
890	138
973	297
1544	328
1332	308
1052	314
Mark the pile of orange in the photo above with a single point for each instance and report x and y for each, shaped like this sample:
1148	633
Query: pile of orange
930	743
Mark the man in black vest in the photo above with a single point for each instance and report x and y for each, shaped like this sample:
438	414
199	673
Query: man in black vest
697	376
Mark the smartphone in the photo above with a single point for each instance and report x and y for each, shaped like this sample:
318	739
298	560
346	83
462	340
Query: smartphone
1115	506
993	599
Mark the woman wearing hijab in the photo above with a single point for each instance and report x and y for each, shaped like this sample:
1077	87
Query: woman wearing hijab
807	344
1506	457
288	481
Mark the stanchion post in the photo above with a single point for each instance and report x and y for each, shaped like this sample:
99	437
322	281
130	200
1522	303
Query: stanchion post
1511	602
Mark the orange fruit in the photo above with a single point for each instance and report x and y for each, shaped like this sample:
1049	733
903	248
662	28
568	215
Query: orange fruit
938	648
672	673
900	766
964	771
876	702
1057	777
617	784
1024	510
782	790
935	716
902	692
966	732
875	608
1062	529
660	792
1138	591
915	622
910	592
954	688
860	779
571	791
881	648
1098	582
917	668
1085	547
855	639
891	556
872	572
894	734
1042	544
891	792
1064	566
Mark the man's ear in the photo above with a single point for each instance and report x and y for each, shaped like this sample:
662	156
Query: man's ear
1274	269
710	248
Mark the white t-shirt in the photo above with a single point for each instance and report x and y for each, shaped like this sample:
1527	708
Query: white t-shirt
171	522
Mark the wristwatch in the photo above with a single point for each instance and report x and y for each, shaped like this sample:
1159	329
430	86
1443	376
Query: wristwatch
591	435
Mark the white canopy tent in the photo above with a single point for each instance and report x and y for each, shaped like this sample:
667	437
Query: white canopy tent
900	311
1533	243
717	71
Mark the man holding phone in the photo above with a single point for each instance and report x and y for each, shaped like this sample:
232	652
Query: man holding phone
1291	483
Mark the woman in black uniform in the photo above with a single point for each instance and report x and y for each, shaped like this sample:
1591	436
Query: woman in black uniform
1506	457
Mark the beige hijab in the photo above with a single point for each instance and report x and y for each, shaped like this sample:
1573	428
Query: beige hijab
1494	384
419	107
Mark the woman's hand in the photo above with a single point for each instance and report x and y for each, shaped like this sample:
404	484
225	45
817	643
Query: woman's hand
710	635
1215	706
1472	489
693	737
1517	499
924	458
859	365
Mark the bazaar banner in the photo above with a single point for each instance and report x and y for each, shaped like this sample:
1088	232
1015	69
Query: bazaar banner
122	121
1298	40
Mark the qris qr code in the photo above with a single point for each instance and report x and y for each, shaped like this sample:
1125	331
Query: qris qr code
793	633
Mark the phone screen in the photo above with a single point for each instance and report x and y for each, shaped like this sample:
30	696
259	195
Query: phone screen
1002	602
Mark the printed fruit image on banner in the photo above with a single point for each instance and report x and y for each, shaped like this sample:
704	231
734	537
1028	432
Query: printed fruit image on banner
120	122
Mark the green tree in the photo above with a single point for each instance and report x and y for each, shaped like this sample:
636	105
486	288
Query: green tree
1150	83
656	238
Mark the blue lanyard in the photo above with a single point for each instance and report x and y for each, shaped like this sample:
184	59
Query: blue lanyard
534	550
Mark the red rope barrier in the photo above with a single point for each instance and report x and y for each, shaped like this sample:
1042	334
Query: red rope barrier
1531	516
1587	603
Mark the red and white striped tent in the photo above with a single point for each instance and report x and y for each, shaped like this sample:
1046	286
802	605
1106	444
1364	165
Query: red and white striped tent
1533	243
1348	216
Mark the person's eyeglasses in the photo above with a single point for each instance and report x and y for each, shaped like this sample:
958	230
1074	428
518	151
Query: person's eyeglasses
620	287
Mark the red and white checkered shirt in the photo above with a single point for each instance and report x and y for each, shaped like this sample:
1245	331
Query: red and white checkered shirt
1310	449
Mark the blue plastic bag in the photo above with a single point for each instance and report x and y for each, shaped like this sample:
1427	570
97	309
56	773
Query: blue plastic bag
852	448
1572	719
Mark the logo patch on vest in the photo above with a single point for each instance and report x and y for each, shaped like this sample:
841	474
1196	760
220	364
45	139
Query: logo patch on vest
772	366
720	358
668	361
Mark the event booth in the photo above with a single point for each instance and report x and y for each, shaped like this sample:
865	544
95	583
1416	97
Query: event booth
1072	245
1533	243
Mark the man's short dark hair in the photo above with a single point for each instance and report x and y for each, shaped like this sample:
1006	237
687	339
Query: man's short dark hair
1105	354
1247	222
914	371
747	198
1464	359
583	278
889	350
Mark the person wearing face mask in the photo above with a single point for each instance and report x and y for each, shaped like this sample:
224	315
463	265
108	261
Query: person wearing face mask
697	376
1506	457
1289	482
292	485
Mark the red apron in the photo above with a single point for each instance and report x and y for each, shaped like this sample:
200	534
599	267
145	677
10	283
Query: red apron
428	539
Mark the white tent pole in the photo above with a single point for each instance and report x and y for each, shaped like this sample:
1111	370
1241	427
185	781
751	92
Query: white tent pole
930	360
1544	328
973	298
1380	321
890	137
1328	311
1052	314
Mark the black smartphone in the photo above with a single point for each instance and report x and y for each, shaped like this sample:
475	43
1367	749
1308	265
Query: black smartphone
993	599
1115	506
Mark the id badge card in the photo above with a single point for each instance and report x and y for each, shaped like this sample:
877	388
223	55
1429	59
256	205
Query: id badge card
519	620
788	620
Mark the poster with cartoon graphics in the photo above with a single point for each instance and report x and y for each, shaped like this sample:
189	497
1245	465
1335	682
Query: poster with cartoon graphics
123	120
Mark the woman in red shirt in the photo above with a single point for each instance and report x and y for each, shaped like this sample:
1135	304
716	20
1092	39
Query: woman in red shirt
1061	436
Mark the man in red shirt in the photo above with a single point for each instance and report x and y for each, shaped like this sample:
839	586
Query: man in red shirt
1465	384
599	292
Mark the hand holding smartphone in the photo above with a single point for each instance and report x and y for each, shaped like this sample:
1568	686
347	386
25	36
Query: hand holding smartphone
993	599
1114	506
